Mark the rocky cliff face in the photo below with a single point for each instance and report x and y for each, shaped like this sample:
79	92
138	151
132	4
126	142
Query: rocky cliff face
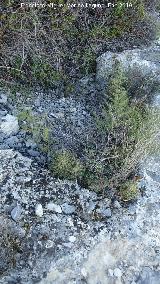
56	232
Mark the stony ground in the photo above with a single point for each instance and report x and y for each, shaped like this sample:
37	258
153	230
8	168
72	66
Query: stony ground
54	231
54	227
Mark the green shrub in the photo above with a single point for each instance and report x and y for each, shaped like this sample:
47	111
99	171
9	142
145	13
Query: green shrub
129	191
43	73
128	133
94	174
66	166
120	118
38	127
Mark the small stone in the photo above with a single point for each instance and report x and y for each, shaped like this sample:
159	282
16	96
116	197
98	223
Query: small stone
58	115
39	210
68	209
104	212
54	207
84	272
37	102
40	109
2	176
70	222
68	245
117	205
131	210
91	206
73	109
16	213
30	144
3	99
33	153
49	244
110	272
157	250
9	125
107	202
12	141
16	230
72	239
107	212
117	273
3	112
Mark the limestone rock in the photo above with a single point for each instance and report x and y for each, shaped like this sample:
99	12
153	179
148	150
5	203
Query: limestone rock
54	207
3	99
16	213
117	273
146	61
39	210
9	125
72	239
68	209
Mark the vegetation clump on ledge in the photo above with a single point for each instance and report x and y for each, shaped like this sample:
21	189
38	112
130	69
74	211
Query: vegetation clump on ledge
126	132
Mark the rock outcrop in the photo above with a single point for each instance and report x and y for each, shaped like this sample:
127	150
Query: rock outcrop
54	216
54	231
146	61
72	246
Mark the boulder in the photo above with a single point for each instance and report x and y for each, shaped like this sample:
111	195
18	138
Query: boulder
147	61
9	125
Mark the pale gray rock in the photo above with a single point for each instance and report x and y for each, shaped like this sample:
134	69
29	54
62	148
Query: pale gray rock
9	125
37	102
72	239
3	99
3	112
104	209
16	213
33	153
149	276
110	272
39	210
68	209
83	272
91	206
12	141
49	244
10	234
117	273
146	61
54	207
116	204
30	144
106	213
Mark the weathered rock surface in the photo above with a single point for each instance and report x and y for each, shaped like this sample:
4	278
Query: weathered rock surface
26	191
67	248
3	99
39	210
127	250
146	60
16	213
9	125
